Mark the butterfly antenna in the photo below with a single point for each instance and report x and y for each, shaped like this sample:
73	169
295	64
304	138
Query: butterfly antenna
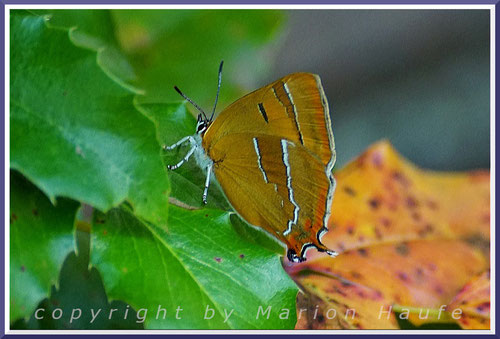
191	101
218	90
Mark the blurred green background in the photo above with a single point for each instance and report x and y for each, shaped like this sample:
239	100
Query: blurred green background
419	78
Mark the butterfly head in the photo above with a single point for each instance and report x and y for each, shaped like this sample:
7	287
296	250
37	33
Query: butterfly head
202	124
203	120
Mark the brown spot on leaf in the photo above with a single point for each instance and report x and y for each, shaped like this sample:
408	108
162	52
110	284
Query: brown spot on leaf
416	216
218	259
242	256
361	294
411	202
363	252
483	307
478	240
350	229
401	178
35	212
356	275
386	222
23	268
402	249
374	203
403	276
432	204
428	228
339	291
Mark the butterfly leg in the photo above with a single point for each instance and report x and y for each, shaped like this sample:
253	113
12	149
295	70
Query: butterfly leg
207	183
186	158
178	143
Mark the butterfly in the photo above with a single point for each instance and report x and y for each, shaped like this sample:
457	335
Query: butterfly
272	152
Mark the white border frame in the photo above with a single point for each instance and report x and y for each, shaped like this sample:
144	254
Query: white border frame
8	7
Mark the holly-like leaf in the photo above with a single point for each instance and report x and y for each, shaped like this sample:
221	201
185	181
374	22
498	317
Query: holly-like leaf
74	131
408	241
41	235
199	270
473	301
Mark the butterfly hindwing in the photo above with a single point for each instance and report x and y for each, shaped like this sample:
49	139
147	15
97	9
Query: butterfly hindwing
276	184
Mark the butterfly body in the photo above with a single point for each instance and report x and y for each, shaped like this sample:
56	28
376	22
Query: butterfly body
272	153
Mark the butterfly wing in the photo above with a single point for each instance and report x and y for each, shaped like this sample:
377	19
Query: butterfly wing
278	185
293	107
274	152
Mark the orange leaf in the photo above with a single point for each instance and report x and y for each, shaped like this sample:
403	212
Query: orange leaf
474	301
408	239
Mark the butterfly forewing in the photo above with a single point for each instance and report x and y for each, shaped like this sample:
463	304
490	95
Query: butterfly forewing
293	107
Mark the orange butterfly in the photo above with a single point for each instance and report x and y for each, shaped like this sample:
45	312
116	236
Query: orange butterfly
273	152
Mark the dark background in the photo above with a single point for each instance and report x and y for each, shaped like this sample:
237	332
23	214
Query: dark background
419	78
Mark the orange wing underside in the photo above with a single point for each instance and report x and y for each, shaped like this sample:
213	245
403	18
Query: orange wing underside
273	153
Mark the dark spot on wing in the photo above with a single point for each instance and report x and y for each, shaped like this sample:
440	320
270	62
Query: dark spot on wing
263	111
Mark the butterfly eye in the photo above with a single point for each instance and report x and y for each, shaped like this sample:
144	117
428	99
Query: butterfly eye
201	125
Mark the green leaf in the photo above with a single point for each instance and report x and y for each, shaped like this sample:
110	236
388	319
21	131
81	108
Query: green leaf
41	235
74	131
173	122
94	29
198	262
185	47
82	303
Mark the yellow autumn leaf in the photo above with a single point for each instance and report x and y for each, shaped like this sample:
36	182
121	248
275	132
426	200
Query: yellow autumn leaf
408	239
474	300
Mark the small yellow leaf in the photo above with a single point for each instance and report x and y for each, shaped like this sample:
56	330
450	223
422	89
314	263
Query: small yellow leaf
474	301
